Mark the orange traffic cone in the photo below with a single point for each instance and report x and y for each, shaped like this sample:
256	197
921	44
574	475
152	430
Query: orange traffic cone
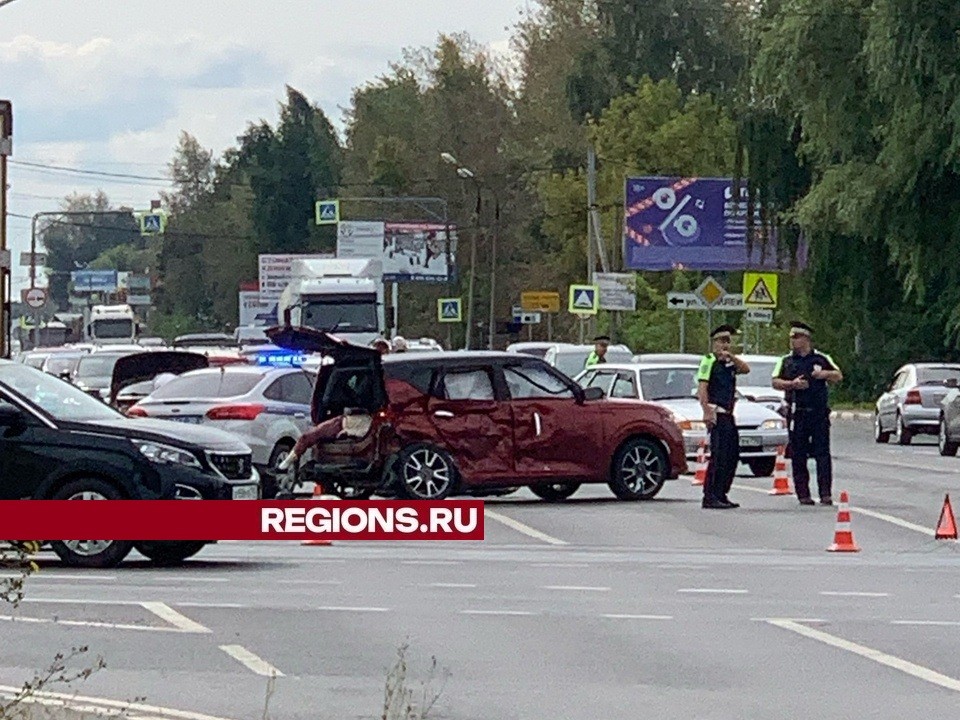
700	476
317	494
843	536
947	525
781	483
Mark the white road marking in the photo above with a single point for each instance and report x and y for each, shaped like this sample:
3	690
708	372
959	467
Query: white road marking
893	520
841	593
128	707
496	612
309	582
905	666
522	528
251	661
796	620
89	623
638	617
232	606
168	614
944	623
576	587
177	578
41	575
560	565
714	591
451	585
431	562
352	609
683	567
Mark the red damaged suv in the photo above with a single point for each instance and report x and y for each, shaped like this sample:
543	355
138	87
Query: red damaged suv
430	425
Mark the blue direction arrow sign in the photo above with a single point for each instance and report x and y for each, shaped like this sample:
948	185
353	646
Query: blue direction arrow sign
449	310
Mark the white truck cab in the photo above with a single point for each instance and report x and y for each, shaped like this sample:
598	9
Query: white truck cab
343	297
111	325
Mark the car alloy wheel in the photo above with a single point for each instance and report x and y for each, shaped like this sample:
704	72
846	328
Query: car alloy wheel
878	434
903	435
426	473
946	447
90	553
639	470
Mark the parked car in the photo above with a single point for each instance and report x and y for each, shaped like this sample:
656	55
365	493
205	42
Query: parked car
678	358
537	348
93	373
268	408
471	422
911	404
674	386
757	385
61	365
59	443
571	359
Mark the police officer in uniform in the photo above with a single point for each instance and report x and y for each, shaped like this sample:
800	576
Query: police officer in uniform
599	352
804	375
717	392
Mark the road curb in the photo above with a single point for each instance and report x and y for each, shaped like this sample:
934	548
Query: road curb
850	415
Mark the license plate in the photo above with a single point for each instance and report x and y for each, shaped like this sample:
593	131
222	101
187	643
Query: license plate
246	492
750	442
190	419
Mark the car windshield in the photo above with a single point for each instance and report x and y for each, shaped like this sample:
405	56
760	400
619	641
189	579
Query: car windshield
761	374
936	375
572	362
208	385
354	316
668	383
56	365
59	399
113	329
96	366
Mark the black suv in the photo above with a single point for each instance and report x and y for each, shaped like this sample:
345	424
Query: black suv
58	443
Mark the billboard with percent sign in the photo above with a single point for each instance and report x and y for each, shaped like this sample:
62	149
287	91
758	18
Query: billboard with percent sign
691	223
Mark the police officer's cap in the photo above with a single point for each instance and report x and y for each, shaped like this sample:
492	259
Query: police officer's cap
723	330
800	328
602	338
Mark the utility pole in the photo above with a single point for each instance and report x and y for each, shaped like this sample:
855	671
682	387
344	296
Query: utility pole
6	148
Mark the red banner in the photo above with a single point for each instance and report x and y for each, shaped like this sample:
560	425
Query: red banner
46	520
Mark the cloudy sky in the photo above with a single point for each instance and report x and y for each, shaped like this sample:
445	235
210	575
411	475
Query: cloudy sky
107	85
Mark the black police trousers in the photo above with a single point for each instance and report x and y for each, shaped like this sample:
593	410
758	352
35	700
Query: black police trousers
724	458
810	438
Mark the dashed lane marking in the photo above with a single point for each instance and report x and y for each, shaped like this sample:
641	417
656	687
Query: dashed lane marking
250	661
342	608
576	588
178	620
891	661
934	623
843	593
496	612
522	528
431	562
451	585
714	591
637	617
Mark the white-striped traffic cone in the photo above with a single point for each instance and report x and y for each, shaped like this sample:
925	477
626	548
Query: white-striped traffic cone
843	536
781	483
700	476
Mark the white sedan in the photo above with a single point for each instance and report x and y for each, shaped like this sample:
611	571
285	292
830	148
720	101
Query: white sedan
761	429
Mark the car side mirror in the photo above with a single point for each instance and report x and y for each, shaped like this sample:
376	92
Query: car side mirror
10	416
65	375
593	393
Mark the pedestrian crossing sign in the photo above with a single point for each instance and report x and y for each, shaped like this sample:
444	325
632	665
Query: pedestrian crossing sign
328	212
760	290
584	299
152	224
449	310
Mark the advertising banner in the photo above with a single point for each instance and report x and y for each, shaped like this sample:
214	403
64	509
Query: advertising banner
276	272
255	311
411	252
693	224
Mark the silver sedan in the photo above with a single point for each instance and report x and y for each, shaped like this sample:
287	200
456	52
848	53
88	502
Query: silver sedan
761	429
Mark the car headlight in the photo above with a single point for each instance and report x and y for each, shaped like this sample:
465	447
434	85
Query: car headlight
772	425
166	454
694	425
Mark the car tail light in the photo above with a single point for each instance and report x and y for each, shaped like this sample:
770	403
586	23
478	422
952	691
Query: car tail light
913	397
248	411
135	411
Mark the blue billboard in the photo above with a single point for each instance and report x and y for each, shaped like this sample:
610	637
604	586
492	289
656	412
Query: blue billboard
94	280
689	223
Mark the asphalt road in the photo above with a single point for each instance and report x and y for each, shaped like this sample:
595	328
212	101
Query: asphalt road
588	609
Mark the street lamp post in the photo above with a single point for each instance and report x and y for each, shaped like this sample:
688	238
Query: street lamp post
467	174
